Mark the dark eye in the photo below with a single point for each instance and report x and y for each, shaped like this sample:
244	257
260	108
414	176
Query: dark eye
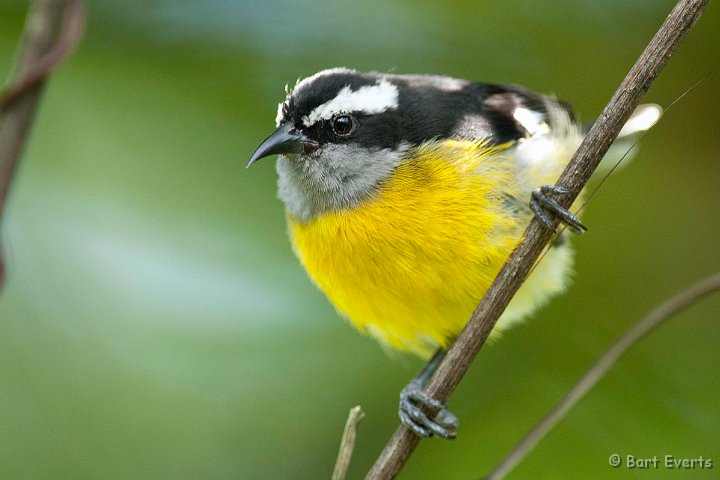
343	125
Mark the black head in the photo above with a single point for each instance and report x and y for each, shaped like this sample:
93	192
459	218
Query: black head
335	107
383	111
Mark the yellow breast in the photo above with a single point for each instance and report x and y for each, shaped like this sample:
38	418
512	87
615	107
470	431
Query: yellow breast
410	264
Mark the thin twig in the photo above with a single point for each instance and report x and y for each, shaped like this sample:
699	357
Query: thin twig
347	444
601	367
511	276
52	29
71	32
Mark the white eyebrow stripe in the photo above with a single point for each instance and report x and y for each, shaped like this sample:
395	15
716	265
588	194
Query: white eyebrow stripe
369	99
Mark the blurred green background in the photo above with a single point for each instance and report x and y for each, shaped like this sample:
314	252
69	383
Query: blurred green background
155	323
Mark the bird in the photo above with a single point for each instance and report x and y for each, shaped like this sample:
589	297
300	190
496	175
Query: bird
406	193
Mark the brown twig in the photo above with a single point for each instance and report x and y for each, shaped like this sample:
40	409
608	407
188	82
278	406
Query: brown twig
347	444
71	31
52	29
511	276
601	367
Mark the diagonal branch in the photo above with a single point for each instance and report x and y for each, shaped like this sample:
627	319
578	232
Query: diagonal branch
457	362
53	28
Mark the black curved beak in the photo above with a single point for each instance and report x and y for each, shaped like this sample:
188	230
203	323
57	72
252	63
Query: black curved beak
286	139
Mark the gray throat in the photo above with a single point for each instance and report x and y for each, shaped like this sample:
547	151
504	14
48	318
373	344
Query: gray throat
331	179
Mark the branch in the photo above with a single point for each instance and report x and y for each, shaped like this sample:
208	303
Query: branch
511	276
347	444
601	367
52	29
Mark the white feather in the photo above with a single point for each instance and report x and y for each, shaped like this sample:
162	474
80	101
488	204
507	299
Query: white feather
533	122
279	116
370	99
642	119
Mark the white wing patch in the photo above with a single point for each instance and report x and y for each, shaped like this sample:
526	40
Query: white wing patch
547	148
533	122
368	99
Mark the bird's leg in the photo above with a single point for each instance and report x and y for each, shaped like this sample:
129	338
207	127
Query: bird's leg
413	400
543	204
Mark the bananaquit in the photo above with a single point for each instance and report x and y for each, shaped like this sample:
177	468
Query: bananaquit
405	194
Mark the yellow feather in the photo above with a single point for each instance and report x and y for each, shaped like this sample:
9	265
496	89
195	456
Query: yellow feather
410	264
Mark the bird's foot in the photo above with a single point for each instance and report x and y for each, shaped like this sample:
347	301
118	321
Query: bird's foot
438	422
543	204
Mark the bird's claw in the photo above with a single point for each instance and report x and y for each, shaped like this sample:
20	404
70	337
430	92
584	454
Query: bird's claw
542	203
439	422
